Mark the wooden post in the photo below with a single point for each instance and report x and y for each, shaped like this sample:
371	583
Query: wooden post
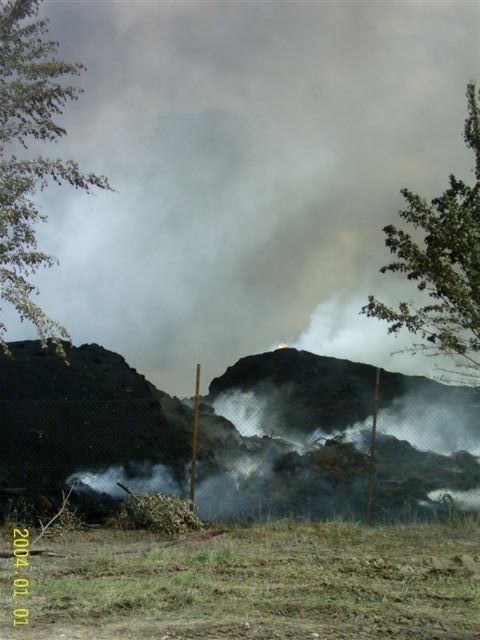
195	439
372	450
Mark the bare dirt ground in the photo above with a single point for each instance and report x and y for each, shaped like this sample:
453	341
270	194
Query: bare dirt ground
301	581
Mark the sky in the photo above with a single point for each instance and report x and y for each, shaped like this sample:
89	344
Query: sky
257	150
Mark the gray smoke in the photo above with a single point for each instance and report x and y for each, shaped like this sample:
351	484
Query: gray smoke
244	408
252	147
140	478
241	490
465	500
442	429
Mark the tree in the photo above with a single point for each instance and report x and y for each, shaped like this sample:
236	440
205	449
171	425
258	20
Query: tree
30	96
447	267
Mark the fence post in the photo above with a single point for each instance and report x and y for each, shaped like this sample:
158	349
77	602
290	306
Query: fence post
372	450
195	439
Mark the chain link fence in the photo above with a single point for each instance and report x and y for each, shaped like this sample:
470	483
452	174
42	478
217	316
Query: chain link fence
440	428
425	458
46	445
281	459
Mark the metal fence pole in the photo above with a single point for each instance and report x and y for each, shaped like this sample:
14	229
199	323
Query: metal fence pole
195	439
372	450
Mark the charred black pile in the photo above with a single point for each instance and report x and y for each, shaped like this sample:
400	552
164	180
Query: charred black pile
299	392
302	390
90	415
98	413
335	477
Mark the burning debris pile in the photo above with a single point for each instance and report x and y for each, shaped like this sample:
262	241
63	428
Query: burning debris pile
95	414
99	422
335	476
295	397
300	391
337	462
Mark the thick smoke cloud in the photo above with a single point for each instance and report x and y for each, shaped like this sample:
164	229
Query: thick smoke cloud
258	149
338	329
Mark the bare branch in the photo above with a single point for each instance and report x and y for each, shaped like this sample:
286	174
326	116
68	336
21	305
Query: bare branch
45	527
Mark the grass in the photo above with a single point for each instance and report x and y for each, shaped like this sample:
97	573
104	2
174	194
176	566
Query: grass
277	579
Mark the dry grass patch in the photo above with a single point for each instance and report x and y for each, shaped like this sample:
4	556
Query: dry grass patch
278	579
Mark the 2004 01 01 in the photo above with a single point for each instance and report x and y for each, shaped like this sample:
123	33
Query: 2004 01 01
20	553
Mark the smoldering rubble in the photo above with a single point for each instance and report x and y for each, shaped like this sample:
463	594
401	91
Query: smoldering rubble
98	422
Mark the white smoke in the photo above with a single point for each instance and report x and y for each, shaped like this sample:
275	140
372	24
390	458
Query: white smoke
441	429
247	411
157	479
427	427
244	409
244	467
216	496
219	496
337	329
352	434
464	500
